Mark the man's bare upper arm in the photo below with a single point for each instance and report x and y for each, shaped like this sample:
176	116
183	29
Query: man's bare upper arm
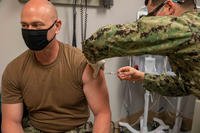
12	112
96	91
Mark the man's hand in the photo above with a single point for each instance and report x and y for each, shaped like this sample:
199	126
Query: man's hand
130	73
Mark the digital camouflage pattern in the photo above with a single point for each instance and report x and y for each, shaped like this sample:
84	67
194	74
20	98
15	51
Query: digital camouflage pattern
28	128
81	129
175	37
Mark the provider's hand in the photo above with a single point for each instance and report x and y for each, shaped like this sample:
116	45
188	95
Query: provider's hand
130	73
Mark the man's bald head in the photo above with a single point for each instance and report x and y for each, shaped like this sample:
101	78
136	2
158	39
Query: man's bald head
39	9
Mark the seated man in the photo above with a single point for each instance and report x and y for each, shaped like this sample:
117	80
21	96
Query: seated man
175	37
53	80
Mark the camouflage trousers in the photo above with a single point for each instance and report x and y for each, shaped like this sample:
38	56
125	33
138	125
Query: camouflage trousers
80	129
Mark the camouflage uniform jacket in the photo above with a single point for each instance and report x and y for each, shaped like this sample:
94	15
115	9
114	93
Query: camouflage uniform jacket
176	37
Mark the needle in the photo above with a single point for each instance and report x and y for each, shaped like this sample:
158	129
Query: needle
111	73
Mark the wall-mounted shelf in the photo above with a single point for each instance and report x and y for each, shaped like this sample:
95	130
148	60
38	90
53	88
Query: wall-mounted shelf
94	3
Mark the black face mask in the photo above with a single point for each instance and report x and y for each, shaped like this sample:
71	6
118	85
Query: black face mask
36	39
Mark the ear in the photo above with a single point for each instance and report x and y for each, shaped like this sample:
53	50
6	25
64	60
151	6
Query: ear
58	25
150	6
149	2
170	7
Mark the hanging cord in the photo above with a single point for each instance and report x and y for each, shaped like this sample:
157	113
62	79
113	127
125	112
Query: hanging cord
83	22
74	23
86	17
107	3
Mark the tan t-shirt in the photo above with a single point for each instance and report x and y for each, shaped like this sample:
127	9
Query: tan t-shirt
53	93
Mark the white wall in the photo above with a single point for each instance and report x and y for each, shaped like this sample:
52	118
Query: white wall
12	44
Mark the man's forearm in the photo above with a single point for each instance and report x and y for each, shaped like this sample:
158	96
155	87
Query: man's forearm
102	123
12	127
